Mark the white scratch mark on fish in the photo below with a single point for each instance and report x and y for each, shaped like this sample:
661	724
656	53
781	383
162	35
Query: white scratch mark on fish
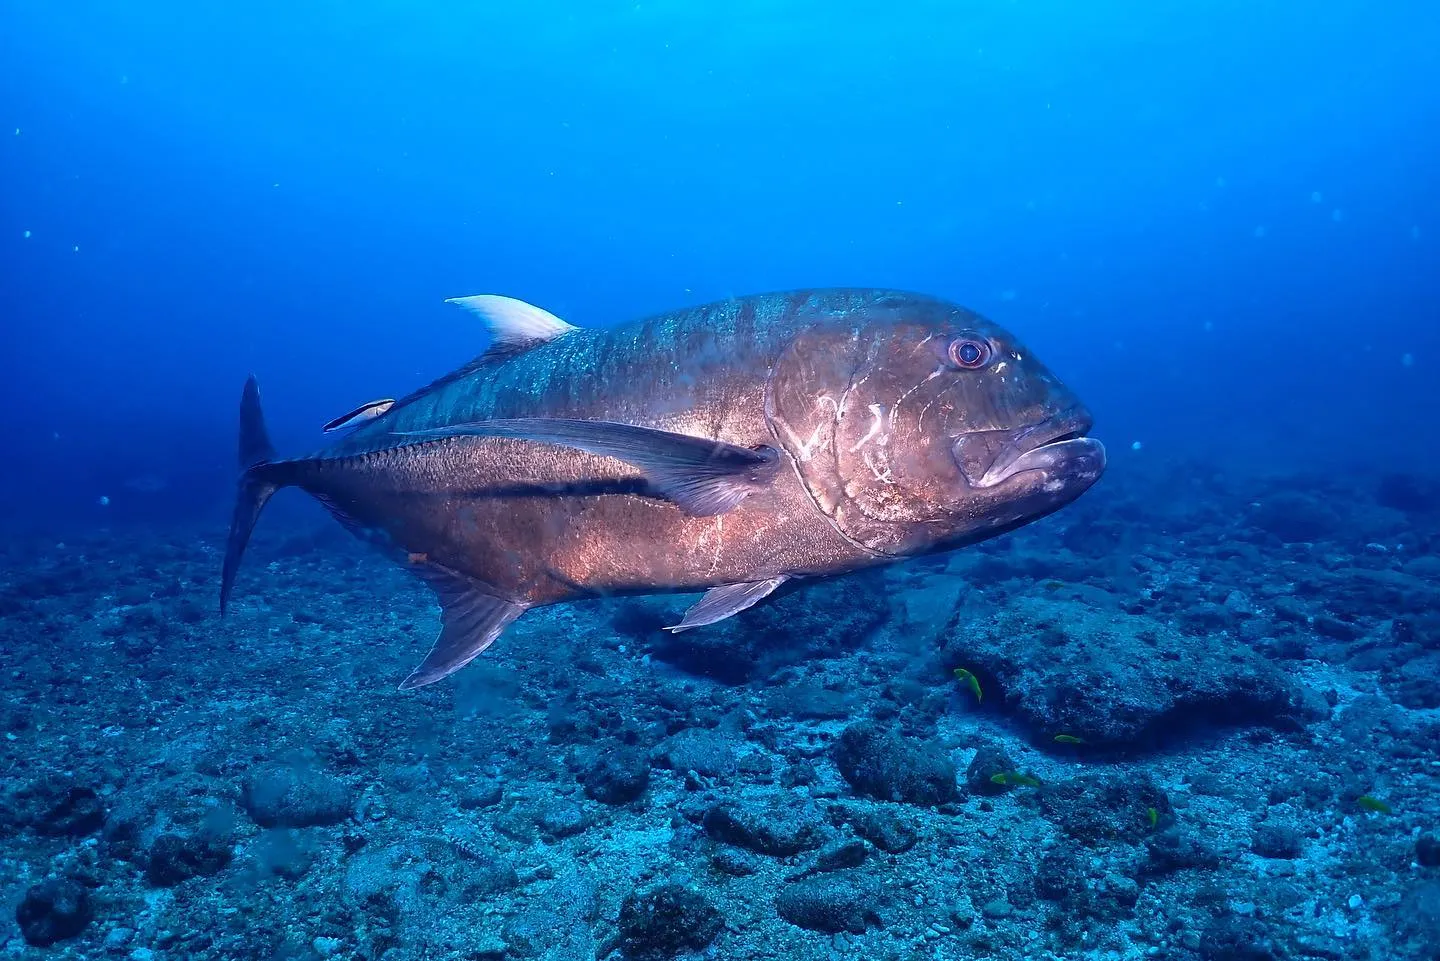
713	538
845	397
922	345
920	424
805	449
895	408
875	458
877	426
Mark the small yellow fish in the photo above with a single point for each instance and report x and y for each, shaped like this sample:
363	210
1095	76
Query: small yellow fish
1068	739
970	681
1153	816
1015	779
1373	804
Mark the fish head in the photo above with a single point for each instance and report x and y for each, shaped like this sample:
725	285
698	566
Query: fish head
918	426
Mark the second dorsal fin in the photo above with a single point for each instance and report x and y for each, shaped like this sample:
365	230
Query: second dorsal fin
513	324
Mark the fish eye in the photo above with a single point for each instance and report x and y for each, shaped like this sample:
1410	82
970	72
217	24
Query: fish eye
968	353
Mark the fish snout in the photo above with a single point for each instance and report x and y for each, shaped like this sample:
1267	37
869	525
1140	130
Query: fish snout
1058	447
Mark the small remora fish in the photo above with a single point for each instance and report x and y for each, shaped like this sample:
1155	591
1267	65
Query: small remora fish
730	448
360	415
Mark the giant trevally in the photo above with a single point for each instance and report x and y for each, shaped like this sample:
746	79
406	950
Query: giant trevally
729	448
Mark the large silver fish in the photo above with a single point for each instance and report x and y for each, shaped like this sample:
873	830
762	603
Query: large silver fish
728	448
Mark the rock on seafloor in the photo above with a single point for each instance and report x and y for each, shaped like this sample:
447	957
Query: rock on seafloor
665	921
832	902
54	910
766	824
885	765
1116	679
295	796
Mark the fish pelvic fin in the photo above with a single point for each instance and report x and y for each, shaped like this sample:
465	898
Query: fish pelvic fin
726	601
471	619
259	479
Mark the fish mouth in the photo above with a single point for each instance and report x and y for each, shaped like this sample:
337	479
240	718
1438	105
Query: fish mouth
1057	445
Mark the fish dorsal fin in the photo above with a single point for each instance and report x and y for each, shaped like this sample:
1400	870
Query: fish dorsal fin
513	324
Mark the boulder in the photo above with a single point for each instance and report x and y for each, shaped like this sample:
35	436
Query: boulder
666	921
295	796
1114	679
831	903
885	765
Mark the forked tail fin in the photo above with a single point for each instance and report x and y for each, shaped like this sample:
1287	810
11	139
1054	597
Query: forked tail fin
255	447
257	483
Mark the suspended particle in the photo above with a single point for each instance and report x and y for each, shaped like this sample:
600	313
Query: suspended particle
1260	232
1316	197
103	501
1337	215
1136	446
1407	360
1415	232
76	248
1220	181
1208	326
27	235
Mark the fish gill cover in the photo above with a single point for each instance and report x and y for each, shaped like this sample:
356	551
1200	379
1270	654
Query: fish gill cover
790	327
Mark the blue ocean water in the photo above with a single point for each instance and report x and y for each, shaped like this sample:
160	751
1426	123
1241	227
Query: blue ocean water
1219	223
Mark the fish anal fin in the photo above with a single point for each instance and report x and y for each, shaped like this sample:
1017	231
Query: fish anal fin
470	621
726	601
341	515
703	477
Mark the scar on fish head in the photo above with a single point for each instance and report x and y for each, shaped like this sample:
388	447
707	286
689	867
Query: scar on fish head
924	426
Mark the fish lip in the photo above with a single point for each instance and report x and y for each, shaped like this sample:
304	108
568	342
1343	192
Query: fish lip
1043	445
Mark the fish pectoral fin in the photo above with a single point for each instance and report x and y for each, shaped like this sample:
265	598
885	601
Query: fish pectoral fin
470	621
727	601
360	415
703	477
